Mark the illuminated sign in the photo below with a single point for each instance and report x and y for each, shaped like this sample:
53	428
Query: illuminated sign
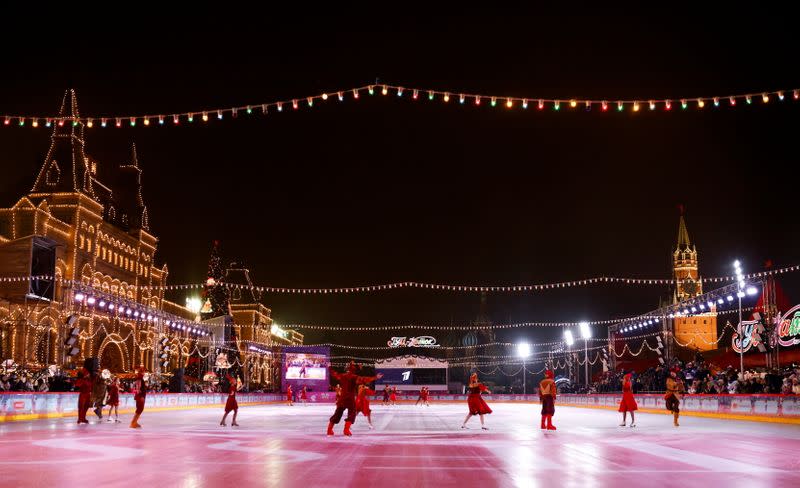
752	336
279	332
406	375
421	341
789	327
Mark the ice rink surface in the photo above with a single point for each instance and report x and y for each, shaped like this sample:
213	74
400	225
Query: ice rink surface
282	446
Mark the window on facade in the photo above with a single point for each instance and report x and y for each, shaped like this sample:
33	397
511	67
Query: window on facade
89	245
80	242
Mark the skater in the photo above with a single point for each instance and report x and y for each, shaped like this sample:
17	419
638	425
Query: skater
303	396
421	393
393	395
231	404
547	395
84	385
99	387
338	391
347	399
425	393
113	399
289	395
474	401
140	387
628	403
362	403
386	392
673	395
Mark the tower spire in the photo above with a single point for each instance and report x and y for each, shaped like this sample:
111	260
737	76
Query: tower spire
683	234
66	167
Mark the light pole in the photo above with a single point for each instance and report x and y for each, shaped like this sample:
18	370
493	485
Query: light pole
740	294
569	339
586	334
523	351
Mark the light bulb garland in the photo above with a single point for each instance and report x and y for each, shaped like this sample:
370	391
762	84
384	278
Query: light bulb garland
632	105
422	285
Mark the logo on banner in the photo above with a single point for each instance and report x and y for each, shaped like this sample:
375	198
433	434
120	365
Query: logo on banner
421	341
789	327
406	375
750	335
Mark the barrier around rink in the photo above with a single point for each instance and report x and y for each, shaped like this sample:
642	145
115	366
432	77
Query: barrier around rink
24	406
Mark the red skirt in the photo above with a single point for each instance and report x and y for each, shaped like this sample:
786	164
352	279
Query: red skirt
393	397
628	403
288	396
231	404
303	396
362	406
476	405
113	399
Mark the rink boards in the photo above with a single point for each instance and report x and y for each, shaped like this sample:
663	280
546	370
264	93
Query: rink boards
26	406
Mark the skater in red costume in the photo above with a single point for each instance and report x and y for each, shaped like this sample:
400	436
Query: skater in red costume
231	404
393	395
84	384
474	401
421	394
425	393
140	387
289	395
113	400
347	400
628	403
362	402
547	395
303	396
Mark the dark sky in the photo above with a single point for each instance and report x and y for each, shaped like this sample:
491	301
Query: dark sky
385	190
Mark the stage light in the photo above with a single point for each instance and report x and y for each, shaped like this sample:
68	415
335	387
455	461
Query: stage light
752	290
523	349
729	298
586	332
90	300
568	337
79	297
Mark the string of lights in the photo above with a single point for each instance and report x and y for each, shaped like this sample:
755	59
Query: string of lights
204	116
417	284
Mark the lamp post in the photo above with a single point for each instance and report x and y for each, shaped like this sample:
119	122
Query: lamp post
586	334
569	339
740	294
523	351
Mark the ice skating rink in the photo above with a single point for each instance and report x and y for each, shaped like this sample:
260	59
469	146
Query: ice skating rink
282	446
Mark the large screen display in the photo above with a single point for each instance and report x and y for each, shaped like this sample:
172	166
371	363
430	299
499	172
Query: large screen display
305	366
412	376
393	376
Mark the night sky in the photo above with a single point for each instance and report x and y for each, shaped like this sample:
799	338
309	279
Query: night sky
383	190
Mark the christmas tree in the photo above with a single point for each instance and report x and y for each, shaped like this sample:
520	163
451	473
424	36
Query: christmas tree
217	304
215	293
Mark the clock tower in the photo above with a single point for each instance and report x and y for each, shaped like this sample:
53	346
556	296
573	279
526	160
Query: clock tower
684	266
698	332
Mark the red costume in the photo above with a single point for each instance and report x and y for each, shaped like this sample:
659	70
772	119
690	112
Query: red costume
476	404
84	384
393	395
113	395
349	381
362	402
289	394
424	394
232	404
303	395
547	395
141	393
628	403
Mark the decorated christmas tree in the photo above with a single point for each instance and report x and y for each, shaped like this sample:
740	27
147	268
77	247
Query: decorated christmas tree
215	294
216	298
